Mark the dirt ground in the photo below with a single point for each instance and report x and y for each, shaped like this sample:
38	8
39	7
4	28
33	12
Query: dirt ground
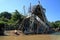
31	37
12	36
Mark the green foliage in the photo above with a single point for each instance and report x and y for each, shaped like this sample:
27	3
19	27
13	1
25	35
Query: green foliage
5	15
58	23
11	20
16	16
2	22
3	19
55	24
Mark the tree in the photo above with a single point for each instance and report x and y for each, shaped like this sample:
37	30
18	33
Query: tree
11	20
5	15
16	19
57	23
16	15
53	24
1	28
4	19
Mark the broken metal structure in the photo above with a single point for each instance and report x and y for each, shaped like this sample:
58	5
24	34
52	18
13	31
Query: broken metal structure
36	22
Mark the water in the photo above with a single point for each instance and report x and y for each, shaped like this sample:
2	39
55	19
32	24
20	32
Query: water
56	33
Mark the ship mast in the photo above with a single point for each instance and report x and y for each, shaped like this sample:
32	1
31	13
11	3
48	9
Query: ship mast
24	9
38	2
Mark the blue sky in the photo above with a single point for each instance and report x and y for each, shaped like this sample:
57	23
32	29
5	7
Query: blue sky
52	7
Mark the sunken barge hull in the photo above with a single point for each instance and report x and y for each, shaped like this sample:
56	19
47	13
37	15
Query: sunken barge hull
36	23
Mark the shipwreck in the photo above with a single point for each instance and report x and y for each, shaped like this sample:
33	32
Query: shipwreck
36	22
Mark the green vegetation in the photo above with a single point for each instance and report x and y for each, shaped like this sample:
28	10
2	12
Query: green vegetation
11	20
55	24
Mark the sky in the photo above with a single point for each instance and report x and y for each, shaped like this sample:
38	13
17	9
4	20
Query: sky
52	7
